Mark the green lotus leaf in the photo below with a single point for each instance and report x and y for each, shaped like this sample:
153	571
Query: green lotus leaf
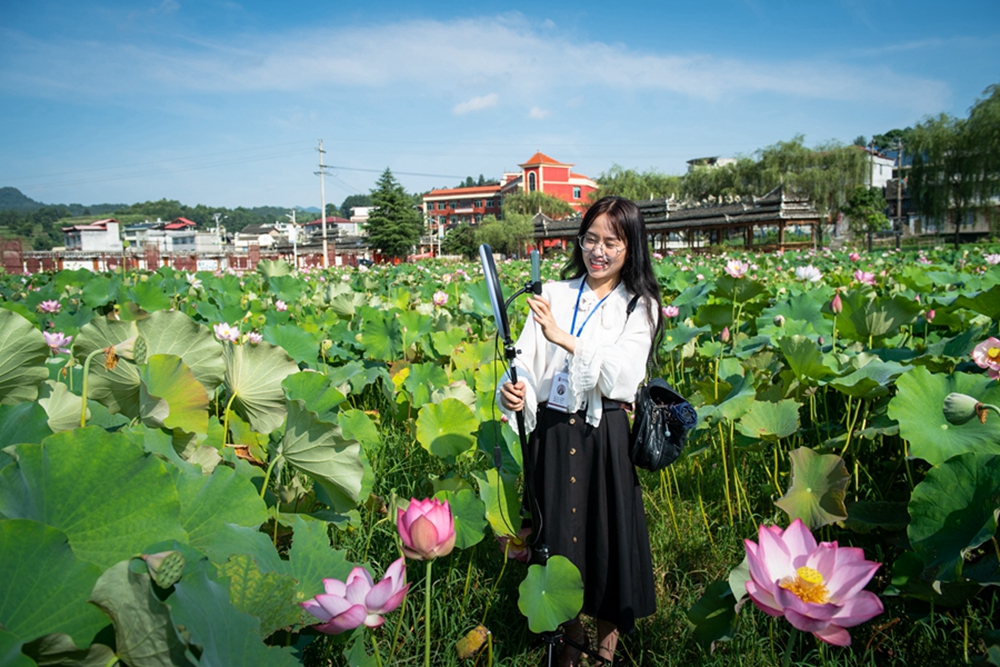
98	291
693	296
737	290
171	397
422	380
458	390
551	594
381	335
149	297
23	352
476	299
319	449
144	633
714	614
61	405
58	649
343	303
209	502
986	303
362	429
414	326
445	429
805	359
469	513
954	510
917	406
737	402
871	380
230	540
285	287
445	342
24	422
805	309
819	484
116	389
10	651
680	335
316	391
864	516
254	374
869	317
272	268
769	421
269	597
503	502
715	316
176	333
45	587
101	489
493	432
354	376
299	344
311	559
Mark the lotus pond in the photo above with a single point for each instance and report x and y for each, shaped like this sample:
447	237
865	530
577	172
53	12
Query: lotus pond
222	469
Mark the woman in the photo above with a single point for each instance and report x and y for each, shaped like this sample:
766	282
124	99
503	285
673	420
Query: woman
582	357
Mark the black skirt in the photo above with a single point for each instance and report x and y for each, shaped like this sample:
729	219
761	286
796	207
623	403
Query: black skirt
586	505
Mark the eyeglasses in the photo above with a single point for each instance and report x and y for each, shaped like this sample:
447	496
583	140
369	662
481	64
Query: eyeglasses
612	249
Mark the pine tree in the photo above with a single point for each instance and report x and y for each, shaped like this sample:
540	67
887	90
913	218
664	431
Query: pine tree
394	226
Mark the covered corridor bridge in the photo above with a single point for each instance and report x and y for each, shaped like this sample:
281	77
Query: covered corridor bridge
762	223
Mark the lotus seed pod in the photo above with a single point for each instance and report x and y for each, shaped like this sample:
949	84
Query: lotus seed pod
779	320
165	567
960	408
139	350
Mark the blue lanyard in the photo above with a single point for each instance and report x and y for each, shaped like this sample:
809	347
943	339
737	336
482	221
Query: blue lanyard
589	315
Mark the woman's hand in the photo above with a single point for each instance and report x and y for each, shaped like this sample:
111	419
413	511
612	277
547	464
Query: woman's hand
512	395
543	315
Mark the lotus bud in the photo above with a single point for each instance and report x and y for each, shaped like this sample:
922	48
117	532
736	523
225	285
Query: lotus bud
819	341
930	315
326	344
779	320
724	336
961	408
836	306
165	567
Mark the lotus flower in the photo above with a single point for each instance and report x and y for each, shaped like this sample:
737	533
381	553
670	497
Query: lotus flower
671	311
986	355
865	277
736	268
253	337
993	258
817	588
281	306
49	306
518	549
426	528
809	273
346	605
854	257
836	306
58	342
440	298
724	336
225	332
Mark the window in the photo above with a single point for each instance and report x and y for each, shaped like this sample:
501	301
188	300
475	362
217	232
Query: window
453	204
489	203
479	218
531	182
477	203
440	206
576	193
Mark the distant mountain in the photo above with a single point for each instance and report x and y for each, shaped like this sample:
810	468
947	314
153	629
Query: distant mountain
12	199
309	209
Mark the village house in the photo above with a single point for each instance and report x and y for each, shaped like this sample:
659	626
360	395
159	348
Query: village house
99	236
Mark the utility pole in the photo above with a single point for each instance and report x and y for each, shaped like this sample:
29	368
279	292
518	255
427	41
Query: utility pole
295	238
899	191
322	194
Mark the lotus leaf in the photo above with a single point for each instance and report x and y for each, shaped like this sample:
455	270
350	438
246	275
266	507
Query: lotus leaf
209	502
917	408
986	303
61	406
299	344
272	268
285	287
319	449
311	558
45	587
769	421
24	422
819	483
445	342
171	397
714	615
58	649
469	513
149	297
551	594
864	516
254	374
503	504
679	335
231	540
871	380
23	352
413	327
806	360
954	510
422	380
869	317
381	335
737	290
804	309
144	633
315	390
269	597
101	489
445	429
476	299
737	402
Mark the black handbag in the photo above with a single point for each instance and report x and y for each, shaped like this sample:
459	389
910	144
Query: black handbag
660	423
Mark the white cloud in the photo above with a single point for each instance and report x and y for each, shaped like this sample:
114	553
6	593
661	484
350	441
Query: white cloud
538	113
476	104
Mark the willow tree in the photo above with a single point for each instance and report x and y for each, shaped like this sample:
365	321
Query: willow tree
530	203
634	185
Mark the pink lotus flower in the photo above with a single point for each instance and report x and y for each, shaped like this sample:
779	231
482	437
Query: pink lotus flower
57	342
346	605
817	588
836	306
736	268
671	311
992	258
724	336
865	277
986	355
281	306
929	315
225	332
49	306
854	257
518	549
426	528
440	298
254	338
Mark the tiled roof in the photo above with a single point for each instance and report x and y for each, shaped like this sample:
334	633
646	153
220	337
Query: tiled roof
539	158
466	192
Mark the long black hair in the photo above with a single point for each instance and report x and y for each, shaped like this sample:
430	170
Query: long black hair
637	272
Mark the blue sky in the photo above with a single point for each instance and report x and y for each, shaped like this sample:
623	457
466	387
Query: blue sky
222	103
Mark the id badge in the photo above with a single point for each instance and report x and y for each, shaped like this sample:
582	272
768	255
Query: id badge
559	392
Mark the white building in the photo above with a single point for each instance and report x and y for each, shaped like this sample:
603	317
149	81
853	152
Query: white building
99	236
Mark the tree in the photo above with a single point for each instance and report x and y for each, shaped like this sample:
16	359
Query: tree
351	202
460	240
865	210
394	226
636	186
530	203
508	236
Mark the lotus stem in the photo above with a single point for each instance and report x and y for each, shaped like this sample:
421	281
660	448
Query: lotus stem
496	584
86	374
427	615
225	419
667	495
378	658
267	475
725	473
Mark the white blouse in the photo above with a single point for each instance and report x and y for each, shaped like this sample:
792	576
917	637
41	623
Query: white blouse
610	357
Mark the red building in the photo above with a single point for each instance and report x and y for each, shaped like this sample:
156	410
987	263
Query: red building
446	208
543	174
